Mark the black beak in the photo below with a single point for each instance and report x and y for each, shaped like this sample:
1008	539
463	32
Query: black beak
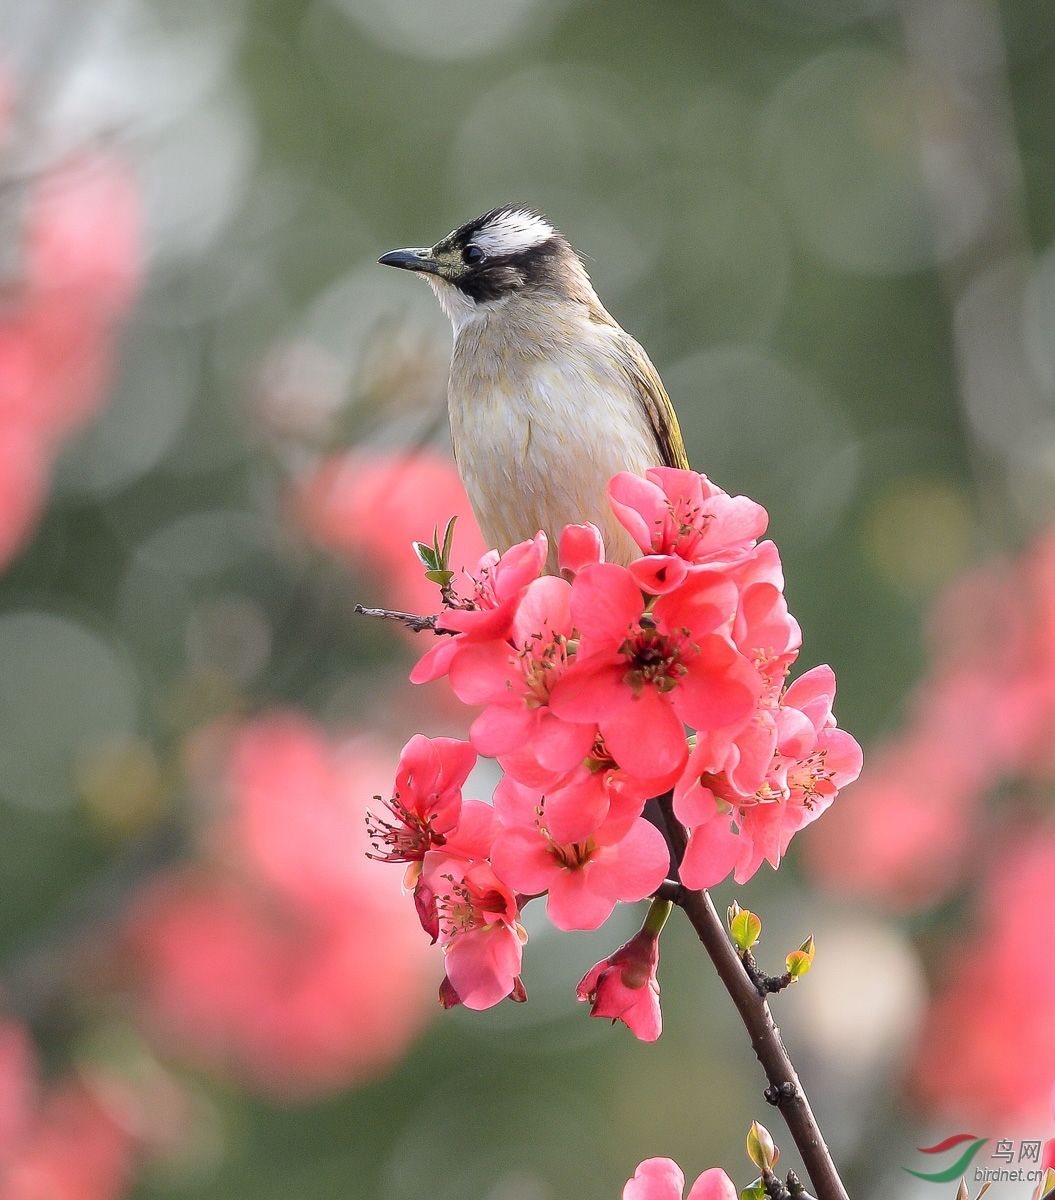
412	260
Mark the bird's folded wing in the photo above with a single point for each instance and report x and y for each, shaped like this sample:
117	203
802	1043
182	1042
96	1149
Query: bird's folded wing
655	401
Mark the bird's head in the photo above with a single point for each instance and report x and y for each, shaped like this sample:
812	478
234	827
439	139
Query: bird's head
507	253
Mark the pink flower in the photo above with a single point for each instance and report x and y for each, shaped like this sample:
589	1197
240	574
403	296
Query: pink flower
427	807
734	830
498	585
580	800
476	919
662	1179
19	1085
625	858
371	507
624	987
642	672
679	518
514	677
299	809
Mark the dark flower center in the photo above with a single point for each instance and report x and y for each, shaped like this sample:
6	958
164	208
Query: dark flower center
654	658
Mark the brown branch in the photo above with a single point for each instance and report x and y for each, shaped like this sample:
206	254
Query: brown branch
784	1090
413	622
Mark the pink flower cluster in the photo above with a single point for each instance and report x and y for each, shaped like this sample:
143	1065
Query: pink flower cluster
285	958
79	267
601	688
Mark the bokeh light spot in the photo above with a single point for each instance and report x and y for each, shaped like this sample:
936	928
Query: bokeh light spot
918	533
63	691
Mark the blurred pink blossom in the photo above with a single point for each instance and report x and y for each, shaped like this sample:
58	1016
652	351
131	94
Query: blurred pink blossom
371	507
290	960
78	273
63	1143
909	831
987	1051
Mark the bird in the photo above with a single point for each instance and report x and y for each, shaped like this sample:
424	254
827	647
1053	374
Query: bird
548	397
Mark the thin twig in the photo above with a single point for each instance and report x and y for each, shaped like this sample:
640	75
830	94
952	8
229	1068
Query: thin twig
413	622
765	985
784	1089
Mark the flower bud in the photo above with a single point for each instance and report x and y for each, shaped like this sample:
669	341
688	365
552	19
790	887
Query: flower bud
624	986
761	1149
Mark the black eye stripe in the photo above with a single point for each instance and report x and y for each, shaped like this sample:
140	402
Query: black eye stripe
492	276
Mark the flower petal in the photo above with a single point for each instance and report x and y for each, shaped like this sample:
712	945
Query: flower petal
639	506
713	1185
522	859
711	854
575	902
561	745
636	865
645	735
721	686
590	689
656	1179
605	602
580	546
483	964
659	573
483	672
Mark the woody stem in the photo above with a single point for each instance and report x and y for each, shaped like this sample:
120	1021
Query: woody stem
784	1090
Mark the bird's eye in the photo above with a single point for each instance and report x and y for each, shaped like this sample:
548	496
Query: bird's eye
472	255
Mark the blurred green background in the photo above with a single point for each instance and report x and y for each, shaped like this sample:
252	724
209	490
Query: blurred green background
828	223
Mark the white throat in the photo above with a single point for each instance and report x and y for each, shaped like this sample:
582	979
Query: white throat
460	308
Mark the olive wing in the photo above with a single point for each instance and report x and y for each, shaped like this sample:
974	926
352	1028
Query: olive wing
653	398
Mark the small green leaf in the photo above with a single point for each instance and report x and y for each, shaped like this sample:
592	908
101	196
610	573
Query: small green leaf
733	910
426	555
798	964
745	929
443	578
754	1191
799	961
448	542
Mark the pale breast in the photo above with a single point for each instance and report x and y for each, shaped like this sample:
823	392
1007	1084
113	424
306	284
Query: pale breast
539	426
